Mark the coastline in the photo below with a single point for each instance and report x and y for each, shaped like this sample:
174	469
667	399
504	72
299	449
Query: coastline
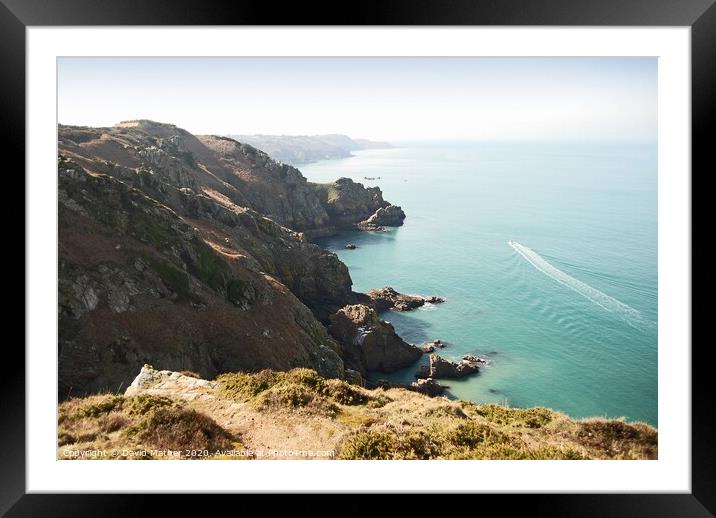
172	242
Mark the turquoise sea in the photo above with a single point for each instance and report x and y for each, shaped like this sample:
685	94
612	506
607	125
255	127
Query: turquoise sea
567	313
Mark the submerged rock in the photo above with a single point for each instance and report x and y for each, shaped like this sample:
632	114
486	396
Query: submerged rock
438	343
350	246
369	343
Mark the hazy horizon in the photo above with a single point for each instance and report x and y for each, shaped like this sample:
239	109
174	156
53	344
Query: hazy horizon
379	98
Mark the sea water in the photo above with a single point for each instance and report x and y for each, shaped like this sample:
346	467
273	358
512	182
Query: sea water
546	253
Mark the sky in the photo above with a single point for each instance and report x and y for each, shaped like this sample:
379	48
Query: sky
378	97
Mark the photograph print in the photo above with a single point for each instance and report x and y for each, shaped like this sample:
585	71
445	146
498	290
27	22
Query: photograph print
354	258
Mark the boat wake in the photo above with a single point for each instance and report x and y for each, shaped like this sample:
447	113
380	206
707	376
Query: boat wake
628	314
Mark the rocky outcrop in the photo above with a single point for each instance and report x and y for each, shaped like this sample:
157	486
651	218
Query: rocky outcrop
369	343
348	203
169	384
387	298
471	358
441	368
428	386
390	216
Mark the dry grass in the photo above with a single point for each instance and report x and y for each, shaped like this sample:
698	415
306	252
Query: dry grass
299	409
296	389
243	387
617	439
109	422
182	429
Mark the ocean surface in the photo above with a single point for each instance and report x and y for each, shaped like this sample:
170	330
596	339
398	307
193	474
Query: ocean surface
546	253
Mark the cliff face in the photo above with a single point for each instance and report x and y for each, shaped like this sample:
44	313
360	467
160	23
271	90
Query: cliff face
276	190
176	249
230	172
139	283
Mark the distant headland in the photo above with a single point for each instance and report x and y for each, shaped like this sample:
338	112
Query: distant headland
304	149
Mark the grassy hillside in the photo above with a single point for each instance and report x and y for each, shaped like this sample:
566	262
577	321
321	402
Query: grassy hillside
240	416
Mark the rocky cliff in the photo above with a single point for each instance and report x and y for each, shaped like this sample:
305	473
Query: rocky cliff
192	253
350	205
138	283
230	172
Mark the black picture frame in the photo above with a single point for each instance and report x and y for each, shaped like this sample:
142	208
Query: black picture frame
700	15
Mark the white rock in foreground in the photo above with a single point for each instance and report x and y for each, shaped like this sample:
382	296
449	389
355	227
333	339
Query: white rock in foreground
169	383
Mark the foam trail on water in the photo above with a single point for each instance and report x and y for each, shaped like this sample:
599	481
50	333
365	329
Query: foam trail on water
630	315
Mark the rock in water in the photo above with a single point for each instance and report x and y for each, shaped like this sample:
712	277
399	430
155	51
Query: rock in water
369	343
390	216
388	298
443	369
